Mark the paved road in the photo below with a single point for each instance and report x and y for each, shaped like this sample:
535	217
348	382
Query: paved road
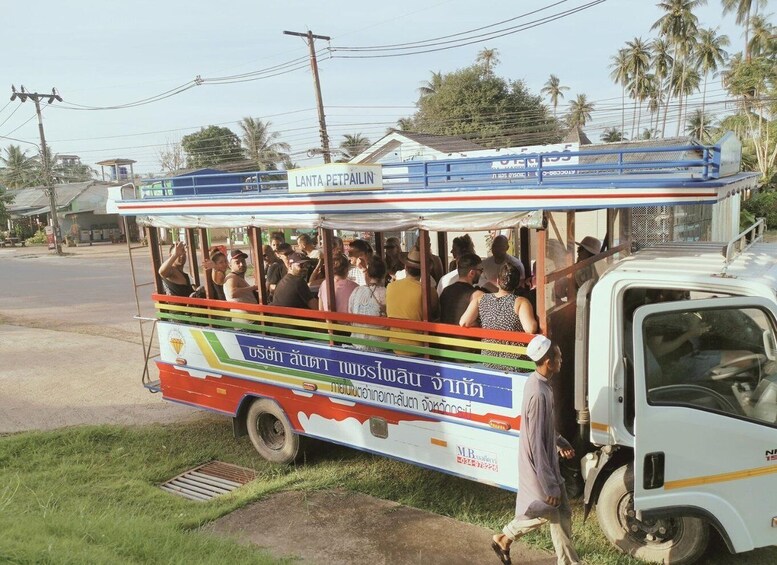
69	347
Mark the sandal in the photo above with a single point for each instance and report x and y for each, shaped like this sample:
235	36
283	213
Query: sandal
504	556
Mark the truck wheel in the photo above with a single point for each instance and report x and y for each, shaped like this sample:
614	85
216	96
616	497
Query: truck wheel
676	540
271	433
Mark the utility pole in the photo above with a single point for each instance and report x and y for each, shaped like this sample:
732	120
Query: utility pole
23	95
314	67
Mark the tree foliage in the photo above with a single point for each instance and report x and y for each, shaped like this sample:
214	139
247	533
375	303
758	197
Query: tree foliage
351	146
172	157
262	146
210	146
484	108
5	199
19	170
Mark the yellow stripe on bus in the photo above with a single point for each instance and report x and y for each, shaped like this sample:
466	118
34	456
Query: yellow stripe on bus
600	427
215	363
307	324
721	478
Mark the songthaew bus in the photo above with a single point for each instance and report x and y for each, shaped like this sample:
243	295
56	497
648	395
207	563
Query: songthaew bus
669	385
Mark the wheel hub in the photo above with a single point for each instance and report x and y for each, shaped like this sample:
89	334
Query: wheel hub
658	530
271	431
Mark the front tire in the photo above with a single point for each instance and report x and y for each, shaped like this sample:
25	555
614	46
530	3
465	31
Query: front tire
271	432
679	540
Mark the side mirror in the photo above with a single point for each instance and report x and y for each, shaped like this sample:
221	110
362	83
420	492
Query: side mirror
770	346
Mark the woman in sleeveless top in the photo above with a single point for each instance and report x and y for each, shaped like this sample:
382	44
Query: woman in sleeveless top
370	300
502	310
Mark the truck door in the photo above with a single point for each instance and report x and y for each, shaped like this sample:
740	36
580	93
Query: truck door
706	415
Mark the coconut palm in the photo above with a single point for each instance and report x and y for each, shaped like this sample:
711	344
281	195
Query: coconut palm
261	145
431	86
686	81
404	124
352	145
620	75
638	58
661	63
579	111
678	25
488	58
699	126
710	54
763	40
554	91
742	9
612	135
18	170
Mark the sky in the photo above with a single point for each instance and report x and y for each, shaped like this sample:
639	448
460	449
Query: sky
101	53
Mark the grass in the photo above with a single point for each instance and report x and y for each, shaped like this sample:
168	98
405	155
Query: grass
89	495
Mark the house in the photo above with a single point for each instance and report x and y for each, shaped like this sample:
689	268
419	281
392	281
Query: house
81	204
401	146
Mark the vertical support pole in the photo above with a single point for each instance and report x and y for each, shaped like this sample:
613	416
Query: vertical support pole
571	253
542	311
442	249
423	246
329	275
379	241
191	256
609	237
257	256
156	258
202	234
524	243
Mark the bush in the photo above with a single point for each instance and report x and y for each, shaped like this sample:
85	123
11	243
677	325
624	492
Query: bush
39	237
763	205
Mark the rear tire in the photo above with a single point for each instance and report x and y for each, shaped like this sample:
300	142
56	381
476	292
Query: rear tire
677	540
271	432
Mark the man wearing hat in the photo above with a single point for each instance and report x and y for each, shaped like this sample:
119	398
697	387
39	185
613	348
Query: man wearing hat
404	297
587	248
541	494
293	290
236	287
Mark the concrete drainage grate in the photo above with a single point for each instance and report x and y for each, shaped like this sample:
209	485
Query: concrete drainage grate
209	481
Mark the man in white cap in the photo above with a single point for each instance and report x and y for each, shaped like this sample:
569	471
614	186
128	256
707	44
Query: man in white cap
588	247
541	494
236	287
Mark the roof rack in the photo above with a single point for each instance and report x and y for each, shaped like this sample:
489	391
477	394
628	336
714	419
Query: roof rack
743	242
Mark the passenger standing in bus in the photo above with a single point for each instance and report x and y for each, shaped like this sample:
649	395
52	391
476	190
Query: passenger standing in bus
502	310
492	265
343	287
460	246
236	287
293	290
404	298
393	252
370	300
360	252
588	247
305	245
279	269
541	494
175	280
455	299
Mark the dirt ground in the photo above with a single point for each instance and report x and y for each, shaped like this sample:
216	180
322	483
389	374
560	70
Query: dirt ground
338	526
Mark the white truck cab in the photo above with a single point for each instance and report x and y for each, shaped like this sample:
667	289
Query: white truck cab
681	387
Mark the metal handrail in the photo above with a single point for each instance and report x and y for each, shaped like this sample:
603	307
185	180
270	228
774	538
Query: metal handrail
735	246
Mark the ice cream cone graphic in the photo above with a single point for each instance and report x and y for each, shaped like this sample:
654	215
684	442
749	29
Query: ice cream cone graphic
176	341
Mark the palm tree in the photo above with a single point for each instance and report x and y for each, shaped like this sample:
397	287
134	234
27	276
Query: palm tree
678	25
612	135
620	75
638	59
260	143
699	126
709	55
764	37
352	145
579	111
742	8
685	82
554	91
661	64
18	169
432	85
488	58
404	124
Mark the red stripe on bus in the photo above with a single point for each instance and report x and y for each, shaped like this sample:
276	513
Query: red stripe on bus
258	204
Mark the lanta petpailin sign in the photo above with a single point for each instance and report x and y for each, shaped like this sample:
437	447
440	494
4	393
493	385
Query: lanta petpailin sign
336	177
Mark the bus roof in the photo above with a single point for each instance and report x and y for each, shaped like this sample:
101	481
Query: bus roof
468	194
